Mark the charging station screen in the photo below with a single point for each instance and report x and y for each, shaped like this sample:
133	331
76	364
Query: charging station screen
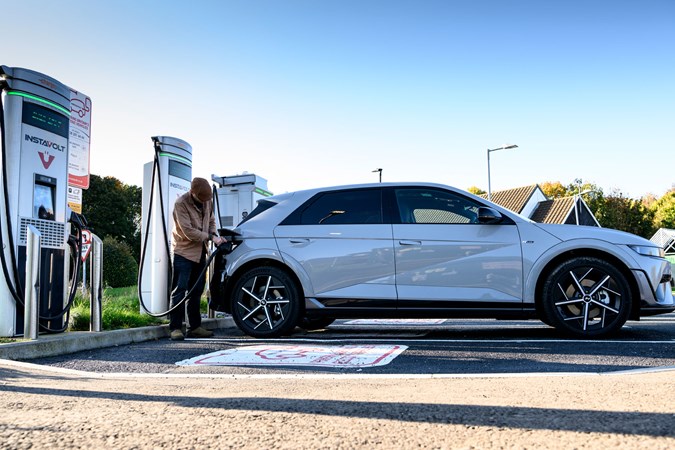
43	202
180	170
45	119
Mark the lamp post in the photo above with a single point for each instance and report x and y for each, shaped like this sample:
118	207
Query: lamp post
503	147
379	170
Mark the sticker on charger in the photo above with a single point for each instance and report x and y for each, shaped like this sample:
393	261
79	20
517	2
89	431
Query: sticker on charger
407	322
342	356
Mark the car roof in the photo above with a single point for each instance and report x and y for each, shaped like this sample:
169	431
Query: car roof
312	191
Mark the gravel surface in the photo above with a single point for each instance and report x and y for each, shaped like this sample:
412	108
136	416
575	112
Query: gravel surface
57	408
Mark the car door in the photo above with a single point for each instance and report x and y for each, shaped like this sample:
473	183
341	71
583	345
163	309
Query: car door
446	259
344	249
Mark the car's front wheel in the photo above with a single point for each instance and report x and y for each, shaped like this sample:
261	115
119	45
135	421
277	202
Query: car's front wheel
266	302
586	297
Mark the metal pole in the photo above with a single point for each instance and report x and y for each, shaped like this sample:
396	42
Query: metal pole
489	186
32	291
95	285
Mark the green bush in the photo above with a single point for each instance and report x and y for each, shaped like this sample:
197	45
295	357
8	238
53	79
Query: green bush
119	266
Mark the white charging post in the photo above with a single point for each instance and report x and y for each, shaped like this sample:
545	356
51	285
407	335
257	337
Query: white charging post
172	170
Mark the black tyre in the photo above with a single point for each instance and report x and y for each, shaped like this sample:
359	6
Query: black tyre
315	323
586	297
266	303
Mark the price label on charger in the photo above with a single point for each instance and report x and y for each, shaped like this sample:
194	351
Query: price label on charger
86	244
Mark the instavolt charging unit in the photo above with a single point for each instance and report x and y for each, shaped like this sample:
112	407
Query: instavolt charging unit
165	179
35	120
236	196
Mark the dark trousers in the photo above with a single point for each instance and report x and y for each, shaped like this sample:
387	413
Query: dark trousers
185	276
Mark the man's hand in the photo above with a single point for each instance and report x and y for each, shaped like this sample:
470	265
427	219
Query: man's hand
218	240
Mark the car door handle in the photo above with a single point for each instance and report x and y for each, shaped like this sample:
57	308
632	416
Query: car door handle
299	241
407	242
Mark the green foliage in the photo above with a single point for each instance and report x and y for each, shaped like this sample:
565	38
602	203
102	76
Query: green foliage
664	211
625	214
113	208
476	190
119	266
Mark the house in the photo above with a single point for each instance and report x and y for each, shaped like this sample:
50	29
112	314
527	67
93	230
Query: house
665	238
530	201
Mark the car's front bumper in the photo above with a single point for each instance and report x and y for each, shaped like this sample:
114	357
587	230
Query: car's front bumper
655	286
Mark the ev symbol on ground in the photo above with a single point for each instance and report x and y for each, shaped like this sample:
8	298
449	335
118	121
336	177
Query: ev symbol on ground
342	356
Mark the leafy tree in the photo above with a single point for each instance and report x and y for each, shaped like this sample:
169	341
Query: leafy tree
119	267
113	208
553	189
622	213
476	190
664	211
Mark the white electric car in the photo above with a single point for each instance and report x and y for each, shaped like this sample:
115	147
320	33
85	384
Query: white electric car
429	251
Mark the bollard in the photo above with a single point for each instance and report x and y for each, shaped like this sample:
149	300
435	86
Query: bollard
96	282
32	291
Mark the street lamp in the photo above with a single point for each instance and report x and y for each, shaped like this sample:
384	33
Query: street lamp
379	170
503	147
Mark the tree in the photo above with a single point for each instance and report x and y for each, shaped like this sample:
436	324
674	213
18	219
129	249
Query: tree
476	190
664	211
625	214
113	208
553	189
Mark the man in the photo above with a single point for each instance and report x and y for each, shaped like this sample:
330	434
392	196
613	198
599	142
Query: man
193	227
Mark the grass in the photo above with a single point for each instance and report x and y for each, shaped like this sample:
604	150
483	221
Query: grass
120	309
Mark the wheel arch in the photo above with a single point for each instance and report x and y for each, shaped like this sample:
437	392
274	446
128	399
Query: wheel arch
587	252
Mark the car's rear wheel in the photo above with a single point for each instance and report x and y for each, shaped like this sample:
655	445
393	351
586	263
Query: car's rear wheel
266	302
586	297
315	323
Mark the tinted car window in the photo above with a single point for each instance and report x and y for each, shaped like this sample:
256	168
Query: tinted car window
263	205
362	206
419	205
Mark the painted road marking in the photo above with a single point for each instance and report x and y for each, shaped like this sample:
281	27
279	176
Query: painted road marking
342	356
435	341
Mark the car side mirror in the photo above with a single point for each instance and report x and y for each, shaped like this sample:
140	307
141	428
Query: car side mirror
488	215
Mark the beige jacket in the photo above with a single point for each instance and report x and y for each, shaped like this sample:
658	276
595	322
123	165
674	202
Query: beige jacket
192	228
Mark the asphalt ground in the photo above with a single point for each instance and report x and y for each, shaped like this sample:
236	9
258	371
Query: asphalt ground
459	385
462	347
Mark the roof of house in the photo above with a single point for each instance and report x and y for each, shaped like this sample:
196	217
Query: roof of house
513	199
664	237
553	211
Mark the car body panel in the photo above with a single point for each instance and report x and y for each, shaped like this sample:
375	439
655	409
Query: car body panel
474	263
343	261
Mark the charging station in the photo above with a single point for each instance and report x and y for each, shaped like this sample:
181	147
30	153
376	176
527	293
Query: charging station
237	196
165	179
35	116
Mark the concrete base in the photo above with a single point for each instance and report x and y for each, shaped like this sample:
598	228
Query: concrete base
76	341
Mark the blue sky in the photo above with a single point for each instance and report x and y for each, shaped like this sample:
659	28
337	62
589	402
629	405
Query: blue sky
311	93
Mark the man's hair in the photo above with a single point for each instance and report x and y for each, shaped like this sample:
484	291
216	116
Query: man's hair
201	189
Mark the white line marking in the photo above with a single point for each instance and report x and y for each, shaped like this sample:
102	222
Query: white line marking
433	341
322	376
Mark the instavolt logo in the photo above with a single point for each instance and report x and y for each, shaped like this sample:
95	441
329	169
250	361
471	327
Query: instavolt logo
45	143
46	159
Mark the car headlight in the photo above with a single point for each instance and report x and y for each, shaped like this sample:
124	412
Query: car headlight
645	250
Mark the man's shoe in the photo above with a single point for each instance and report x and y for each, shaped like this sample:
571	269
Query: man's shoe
200	332
177	335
